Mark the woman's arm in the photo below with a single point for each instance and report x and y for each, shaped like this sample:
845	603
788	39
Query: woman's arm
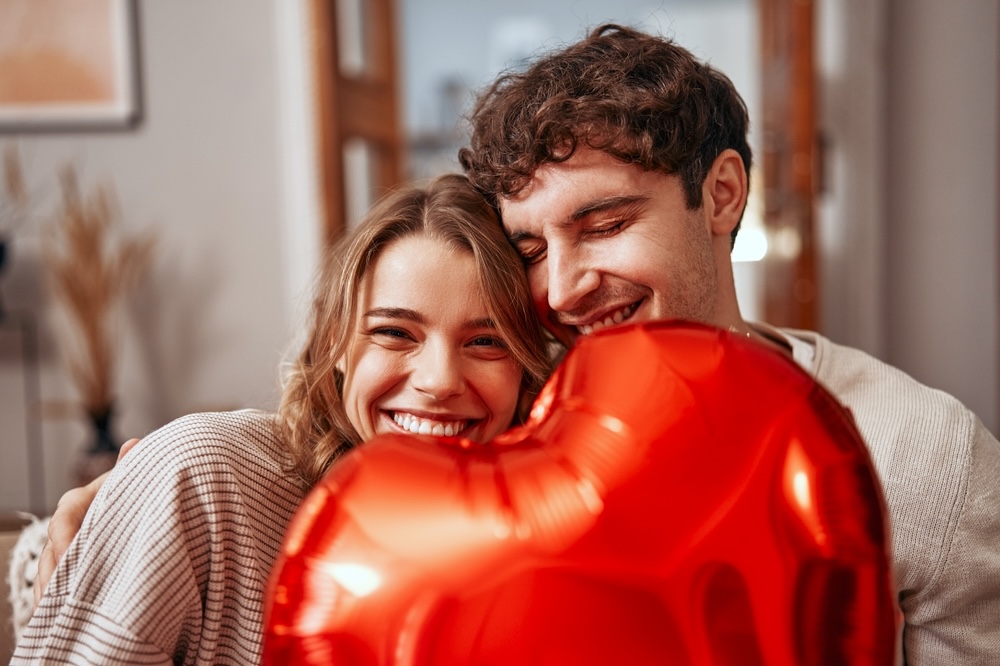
65	523
171	560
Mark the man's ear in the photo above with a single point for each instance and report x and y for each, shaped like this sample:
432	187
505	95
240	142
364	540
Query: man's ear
725	192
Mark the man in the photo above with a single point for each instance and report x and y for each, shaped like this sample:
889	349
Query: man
620	167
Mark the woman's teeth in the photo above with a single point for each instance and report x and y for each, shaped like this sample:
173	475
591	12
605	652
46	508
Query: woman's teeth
420	426
616	317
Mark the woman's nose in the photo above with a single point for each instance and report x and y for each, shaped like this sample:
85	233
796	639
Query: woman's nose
437	371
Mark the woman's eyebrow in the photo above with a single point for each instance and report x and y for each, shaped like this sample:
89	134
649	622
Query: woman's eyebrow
413	315
485	322
396	313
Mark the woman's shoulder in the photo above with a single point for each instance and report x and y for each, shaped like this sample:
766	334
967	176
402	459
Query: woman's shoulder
207	463
206	446
213	434
255	424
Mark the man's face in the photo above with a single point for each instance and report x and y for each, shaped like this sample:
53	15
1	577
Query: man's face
606	243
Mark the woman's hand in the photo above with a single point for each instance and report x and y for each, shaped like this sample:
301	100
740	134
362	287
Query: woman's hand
66	522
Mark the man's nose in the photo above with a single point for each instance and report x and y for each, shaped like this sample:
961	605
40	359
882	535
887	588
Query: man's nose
437	371
570	278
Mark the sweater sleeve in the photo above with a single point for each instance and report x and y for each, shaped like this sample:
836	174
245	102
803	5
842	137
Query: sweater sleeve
81	633
127	591
939	467
955	619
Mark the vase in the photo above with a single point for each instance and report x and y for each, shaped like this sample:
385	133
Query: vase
101	454
4	245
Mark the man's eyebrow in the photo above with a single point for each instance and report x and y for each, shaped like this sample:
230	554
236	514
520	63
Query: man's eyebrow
395	313
589	208
516	237
607	203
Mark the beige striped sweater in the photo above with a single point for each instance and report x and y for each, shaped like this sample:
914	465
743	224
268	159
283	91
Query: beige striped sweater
171	563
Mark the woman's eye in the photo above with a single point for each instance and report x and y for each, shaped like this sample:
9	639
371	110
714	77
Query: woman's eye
392	333
488	347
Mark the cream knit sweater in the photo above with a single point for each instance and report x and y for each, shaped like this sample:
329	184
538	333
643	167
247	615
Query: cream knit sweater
940	472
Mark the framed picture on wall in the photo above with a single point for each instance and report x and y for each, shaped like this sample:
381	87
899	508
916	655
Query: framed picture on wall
68	65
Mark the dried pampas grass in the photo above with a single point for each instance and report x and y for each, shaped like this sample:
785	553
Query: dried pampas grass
91	268
15	198
15	203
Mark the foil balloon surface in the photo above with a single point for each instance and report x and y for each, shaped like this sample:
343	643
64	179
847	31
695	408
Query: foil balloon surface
677	496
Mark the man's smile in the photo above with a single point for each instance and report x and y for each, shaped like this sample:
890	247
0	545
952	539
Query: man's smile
617	316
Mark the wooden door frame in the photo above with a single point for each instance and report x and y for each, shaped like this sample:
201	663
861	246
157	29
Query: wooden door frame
789	160
364	106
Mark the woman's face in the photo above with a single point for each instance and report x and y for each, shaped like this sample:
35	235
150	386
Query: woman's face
424	356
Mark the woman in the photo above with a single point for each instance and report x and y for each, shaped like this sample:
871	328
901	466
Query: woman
421	323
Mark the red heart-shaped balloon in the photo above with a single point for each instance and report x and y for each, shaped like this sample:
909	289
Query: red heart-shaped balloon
678	495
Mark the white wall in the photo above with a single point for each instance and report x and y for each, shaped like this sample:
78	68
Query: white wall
220	167
941	207
910	217
851	68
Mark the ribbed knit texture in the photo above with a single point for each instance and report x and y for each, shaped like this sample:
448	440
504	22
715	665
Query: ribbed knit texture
940	472
172	560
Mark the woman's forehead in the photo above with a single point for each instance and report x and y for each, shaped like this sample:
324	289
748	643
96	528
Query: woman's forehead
424	273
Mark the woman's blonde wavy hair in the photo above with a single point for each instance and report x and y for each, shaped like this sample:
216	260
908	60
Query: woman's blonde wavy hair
448	209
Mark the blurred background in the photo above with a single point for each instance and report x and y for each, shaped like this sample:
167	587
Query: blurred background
235	137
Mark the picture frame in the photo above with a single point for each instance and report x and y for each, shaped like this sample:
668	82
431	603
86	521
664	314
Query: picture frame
68	65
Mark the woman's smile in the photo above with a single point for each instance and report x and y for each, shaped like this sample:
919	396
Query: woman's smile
419	425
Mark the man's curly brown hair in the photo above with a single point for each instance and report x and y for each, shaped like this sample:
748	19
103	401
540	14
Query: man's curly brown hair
642	99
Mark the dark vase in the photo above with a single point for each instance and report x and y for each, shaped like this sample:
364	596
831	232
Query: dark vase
3	262
102	452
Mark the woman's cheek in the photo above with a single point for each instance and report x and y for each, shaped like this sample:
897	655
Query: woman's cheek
372	372
504	388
